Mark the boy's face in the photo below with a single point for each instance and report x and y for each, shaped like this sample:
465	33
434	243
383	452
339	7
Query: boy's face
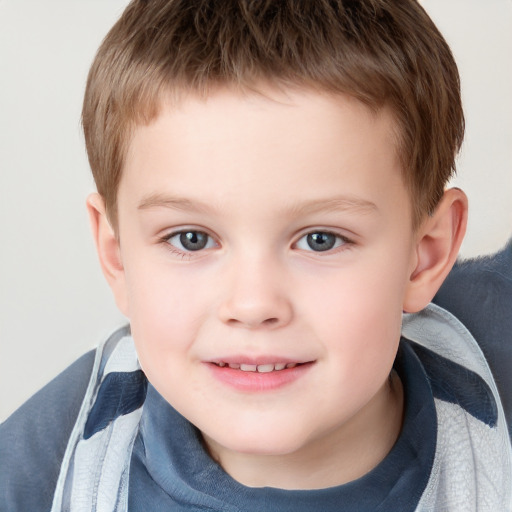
266	230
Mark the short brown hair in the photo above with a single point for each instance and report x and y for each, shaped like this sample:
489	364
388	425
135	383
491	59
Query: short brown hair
382	52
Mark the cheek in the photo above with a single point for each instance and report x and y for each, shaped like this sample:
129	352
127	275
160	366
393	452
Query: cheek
360	314
166	311
165	324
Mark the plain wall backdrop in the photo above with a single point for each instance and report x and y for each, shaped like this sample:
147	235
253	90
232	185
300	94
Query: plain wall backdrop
54	303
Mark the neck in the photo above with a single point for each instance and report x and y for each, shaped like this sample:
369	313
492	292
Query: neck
338	457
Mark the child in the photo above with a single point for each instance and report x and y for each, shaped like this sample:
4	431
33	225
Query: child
270	201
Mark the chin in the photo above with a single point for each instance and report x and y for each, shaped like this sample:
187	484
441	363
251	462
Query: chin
257	442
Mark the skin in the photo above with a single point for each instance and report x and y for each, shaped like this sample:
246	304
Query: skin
257	173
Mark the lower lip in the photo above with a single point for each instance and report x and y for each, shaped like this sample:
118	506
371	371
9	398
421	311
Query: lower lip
255	382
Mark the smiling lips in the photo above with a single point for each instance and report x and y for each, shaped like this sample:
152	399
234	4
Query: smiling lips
260	368
255	378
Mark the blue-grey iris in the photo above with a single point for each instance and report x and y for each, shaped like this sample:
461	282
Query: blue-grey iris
193	240
321	241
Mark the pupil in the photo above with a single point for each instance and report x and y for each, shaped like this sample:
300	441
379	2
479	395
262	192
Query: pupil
193	240
321	241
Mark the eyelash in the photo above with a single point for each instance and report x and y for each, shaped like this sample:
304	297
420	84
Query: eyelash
341	242
184	253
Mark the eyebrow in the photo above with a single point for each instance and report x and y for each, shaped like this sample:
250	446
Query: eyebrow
330	204
336	203
176	203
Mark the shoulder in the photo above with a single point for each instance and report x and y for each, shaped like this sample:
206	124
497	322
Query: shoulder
477	287
478	292
33	440
468	408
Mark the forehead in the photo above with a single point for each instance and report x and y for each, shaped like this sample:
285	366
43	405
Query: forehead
293	140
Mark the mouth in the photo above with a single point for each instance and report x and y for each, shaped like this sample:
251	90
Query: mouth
253	376
258	368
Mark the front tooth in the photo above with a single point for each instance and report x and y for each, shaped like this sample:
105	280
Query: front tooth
248	367
265	368
235	366
280	366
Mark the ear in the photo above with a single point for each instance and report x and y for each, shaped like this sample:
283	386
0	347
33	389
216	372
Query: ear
437	244
107	246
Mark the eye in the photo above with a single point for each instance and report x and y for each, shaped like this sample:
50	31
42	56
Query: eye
189	241
321	241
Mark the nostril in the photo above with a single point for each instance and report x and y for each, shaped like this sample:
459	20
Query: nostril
269	322
258	312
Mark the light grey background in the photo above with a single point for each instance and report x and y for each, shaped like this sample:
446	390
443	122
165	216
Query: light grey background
54	303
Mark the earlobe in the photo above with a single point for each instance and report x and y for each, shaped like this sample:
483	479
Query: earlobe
437	245
107	247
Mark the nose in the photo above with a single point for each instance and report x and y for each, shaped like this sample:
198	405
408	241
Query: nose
255	296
